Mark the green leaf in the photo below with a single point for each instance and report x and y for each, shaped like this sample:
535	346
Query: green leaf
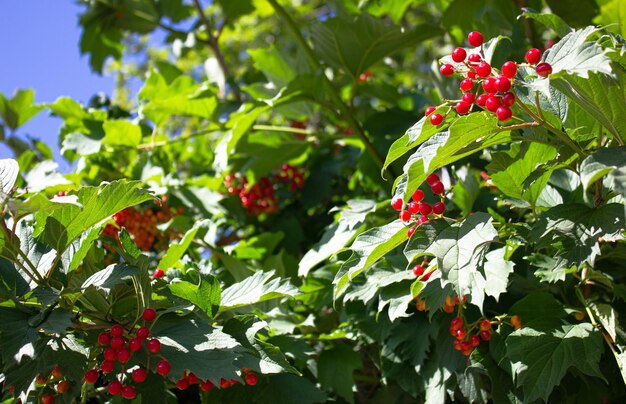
576	56
255	289
272	63
609	162
121	133
17	337
367	248
355	45
551	21
291	389
19	109
9	170
109	277
62	226
334	370
205	295
612	16
548	353
176	250
574	12
235	9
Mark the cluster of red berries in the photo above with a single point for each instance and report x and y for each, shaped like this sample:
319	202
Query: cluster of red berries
142	226
479	75
51	382
189	378
261	197
464	341
118	346
418	211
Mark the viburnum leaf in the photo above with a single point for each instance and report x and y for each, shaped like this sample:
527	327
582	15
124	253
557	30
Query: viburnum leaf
110	276
17	337
255	289
367	248
205	295
335	367
551	21
177	249
609	162
9	170
575	55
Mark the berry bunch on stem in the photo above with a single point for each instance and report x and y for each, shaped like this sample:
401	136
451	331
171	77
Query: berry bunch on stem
418	211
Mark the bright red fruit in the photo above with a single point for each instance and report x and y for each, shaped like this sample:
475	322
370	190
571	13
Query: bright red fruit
91	376
251	379
117	330
466	84
437	188
509	69
123	355
493	103
63	387
224	384
405	216
115	388
485	325
47	399
143	333
128	392
163	368
117	343
504	114
410	232
107	367
446	69
475	38
485	335
425	209
397	204
436	119
460	334
139	375
456	323
159	273
432	178
149	315
418	270
430	110
483	69
543	69
533	56
193	379
109	354
182	383
206	385
134	344
462	108
439	208
474	340
413	207
468	97
508	99
104	338
503	84
459	55
489	85
422	219
418	195
154	345
482	99
473	58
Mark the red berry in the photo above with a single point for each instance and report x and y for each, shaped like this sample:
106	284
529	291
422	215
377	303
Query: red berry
128	392
509	69
224	384
159	273
397	203
123	355
115	388
109	354
418	195
91	376
485	335
432	178
439	208
56	373
182	383
193	379
456	323
462	108
485	325
457	344
117	343
475	38
482	99
436	119
163	368
422	219
473	58
459	55
154	345
405	216
117	330
508	99
107	367
489	85
430	110
425	209
149	315
474	340
468	98
206	385
413	207
47	399
533	56
104	338
466	84
460	333
504	114
251	379
483	69
503	84
447	69
543	69
139	375
493	103
437	188
410	232
134	344
418	270
63	387
470	74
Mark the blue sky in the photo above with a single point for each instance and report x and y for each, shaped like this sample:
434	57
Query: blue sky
39	50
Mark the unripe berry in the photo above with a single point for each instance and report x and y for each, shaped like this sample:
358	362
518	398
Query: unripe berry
447	308
397	203
459	55
159	273
117	330
516	321
481	100
56	373
474	340
466	84
543	69
154	345
462	108
163	368
425	208
439	208
420	305
503	84
139	375
418	195
489	85
432	178
123	355
251	379
504	114
107	367
134	344
508	99
485	325
149	315
405	216
91	376
446	69
115	388
430	110
128	392
483	69
533	56
475	38
206	385
63	387
436	119
468	97
509	69
104	338
437	188
413	207
117	343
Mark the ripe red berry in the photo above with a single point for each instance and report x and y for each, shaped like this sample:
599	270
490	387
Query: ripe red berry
206	385
413	207
397	203
63	387
134	344
115	388
123	355
159	273
104	338
418	270
109	354
405	216
470	74
503	84
163	368
461	333
475	38
459	55
182	383
474	340
485	335
432	178
509	69
489	85
430	110
117	343
437	188
468	97
56	373
149	315
533	56
481	100
504	114
117	330
47	398
422	219
457	344
439	208
193	379
508	99
425	208
456	323
446	69
128	392
251	379
543	69
462	108
418	195
473	58
493	103
154	345
410	232
224	384
485	325
436	119
139	375
483	69
107	367
91	376
466	84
